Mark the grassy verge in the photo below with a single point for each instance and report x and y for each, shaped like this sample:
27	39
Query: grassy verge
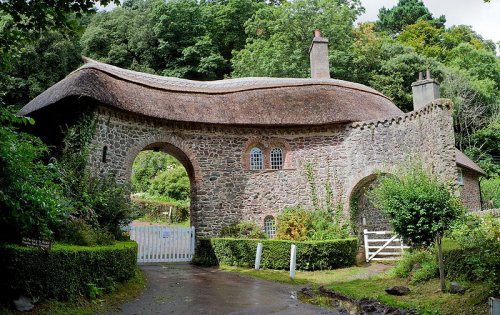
124	292
358	282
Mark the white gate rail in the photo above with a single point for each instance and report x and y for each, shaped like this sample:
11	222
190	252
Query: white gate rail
374	247
163	244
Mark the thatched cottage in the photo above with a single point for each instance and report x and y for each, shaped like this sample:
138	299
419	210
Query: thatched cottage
246	143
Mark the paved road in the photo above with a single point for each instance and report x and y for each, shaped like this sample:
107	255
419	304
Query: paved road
186	289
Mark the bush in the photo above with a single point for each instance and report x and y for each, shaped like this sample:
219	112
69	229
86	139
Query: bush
475	252
153	210
147	165
311	255
293	224
66	271
244	229
427	261
324	227
31	204
490	188
173	183
78	232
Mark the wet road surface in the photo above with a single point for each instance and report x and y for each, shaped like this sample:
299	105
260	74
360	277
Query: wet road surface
186	289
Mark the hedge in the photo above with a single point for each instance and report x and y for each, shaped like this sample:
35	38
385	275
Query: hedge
474	264
311	255
66	271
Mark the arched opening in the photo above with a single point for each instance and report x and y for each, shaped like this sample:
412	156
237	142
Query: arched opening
162	178
364	215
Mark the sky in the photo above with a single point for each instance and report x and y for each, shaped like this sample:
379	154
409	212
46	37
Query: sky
483	17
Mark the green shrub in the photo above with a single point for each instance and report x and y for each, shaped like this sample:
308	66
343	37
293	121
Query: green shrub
293	224
243	229
79	232
153	210
147	165
31	204
475	254
324	226
311	255
66	271
426	260
173	183
490	188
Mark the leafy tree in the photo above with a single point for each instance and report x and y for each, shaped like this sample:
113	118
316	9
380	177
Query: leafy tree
173	183
147	165
279	38
419	206
31	204
425	38
398	69
458	34
406	12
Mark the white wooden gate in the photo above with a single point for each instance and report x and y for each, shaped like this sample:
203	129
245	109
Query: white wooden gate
163	243
380	241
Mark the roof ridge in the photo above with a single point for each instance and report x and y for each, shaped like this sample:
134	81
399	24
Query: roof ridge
217	86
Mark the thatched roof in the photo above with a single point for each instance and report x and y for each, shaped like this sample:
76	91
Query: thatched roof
246	101
464	161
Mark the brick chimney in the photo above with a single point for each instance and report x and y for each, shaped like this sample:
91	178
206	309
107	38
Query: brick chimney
318	54
424	90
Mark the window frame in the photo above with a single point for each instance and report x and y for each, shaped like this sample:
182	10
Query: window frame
256	157
270	229
274	157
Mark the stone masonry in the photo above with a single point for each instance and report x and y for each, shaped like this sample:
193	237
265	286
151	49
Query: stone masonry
223	188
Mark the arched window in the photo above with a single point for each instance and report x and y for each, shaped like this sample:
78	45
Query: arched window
276	159
256	159
270	227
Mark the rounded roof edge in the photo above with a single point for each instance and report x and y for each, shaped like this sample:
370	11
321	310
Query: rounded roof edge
245	101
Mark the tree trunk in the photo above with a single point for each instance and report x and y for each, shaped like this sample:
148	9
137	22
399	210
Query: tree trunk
441	263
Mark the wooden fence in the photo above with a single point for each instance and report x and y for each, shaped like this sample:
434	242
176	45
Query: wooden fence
163	244
380	245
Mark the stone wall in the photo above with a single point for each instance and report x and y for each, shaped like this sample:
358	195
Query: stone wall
224	190
469	191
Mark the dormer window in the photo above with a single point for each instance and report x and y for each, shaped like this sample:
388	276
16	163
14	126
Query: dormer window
256	159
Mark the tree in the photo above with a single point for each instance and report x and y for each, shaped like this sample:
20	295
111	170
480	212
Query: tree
425	38
419	206
406	12
279	38
399	68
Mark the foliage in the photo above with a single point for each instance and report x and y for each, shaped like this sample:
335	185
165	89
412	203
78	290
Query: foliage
158	211
66	271
99	200
475	256
421	265
243	229
278	38
419	206
30	201
406	12
293	224
325	227
147	165
79	232
311	255
490	189
172	183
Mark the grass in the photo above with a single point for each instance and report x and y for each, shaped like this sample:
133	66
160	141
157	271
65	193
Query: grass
124	292
357	283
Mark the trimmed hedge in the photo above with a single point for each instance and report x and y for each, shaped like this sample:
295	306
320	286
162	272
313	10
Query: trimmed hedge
311	255
65	271
474	264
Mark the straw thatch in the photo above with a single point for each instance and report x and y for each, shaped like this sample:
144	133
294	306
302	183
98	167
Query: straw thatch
247	101
464	161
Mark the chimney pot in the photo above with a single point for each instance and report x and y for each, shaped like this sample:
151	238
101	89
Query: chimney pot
424	91
318	54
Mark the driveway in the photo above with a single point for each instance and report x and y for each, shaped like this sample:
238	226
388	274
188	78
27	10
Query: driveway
186	289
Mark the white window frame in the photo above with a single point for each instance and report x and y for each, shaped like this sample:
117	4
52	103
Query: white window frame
276	158
460	176
256	159
270	226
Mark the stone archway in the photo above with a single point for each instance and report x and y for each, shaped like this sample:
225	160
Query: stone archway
174	147
366	215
